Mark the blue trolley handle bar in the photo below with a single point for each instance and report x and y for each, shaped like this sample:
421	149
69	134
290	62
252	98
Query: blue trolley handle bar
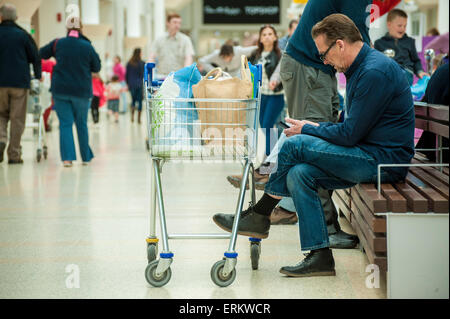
148	75
260	70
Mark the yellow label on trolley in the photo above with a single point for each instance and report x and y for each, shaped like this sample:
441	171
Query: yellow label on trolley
151	240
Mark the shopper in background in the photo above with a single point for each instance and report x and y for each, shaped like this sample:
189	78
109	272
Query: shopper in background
113	91
120	71
173	50
134	79
98	90
282	43
108	66
71	87
403	46
47	66
17	51
228	58
268	54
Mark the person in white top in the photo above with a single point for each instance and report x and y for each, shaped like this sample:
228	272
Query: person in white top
228	58
173	50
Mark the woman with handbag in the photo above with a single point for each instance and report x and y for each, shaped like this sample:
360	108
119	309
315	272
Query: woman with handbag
272	97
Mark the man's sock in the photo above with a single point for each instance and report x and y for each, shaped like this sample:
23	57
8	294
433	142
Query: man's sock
265	205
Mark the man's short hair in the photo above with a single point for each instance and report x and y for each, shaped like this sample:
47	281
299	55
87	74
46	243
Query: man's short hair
292	22
226	50
337	27
394	13
8	12
171	16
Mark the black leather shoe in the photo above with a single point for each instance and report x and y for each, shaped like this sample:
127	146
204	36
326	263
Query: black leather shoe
250	223
316	263
342	240
17	161
2	149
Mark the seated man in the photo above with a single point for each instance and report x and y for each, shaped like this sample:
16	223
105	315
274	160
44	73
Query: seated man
378	128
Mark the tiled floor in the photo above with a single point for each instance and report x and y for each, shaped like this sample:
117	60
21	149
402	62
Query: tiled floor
80	232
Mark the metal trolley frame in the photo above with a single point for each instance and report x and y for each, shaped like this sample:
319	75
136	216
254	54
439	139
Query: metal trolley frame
165	114
37	110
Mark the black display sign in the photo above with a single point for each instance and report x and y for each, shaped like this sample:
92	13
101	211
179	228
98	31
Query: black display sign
241	11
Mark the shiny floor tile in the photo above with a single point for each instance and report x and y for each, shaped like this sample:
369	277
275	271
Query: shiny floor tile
80	232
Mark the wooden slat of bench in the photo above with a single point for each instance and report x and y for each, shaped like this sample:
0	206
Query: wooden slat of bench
439	113
396	202
421	159
438	128
420	111
433	171
421	124
436	202
345	196
377	224
376	202
440	187
376	242
345	209
373	258
415	201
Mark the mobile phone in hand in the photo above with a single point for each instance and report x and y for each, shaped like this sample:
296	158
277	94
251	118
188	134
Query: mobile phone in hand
285	125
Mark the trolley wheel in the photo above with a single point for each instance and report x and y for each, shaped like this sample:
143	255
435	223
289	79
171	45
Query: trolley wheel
153	279
45	153
255	252
152	252
218	278
39	155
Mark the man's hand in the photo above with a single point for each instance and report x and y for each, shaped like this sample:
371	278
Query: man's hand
296	126
422	74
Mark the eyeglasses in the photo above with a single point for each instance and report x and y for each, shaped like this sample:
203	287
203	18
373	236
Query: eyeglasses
323	56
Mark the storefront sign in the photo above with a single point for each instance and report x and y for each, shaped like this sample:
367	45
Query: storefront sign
240	11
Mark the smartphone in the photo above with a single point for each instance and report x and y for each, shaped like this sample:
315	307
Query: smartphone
285	125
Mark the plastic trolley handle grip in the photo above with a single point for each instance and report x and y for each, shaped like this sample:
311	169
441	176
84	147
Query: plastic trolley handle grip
148	73
260	70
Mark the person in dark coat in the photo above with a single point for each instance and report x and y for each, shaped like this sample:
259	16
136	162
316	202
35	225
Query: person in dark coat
134	78
437	92
17	51
71	87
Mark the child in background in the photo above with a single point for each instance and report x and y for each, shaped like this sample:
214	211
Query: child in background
113	91
404	47
98	89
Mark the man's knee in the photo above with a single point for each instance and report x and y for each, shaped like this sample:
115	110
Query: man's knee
300	174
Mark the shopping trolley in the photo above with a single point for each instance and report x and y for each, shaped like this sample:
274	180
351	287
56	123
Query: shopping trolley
179	128
37	124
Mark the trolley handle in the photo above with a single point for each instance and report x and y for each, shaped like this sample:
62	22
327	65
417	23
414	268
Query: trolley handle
260	70
148	75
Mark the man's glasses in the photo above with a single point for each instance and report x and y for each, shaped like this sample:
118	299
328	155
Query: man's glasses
323	56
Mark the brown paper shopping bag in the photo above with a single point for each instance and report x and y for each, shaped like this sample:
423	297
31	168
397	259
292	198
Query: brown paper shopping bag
215	116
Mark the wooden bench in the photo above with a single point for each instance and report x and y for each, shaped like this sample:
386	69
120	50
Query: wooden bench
377	214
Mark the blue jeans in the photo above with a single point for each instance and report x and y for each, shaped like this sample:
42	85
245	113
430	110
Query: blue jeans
271	107
306	163
136	97
70	110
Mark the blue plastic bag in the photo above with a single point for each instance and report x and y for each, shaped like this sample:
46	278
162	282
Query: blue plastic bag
418	89
179	84
254	74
